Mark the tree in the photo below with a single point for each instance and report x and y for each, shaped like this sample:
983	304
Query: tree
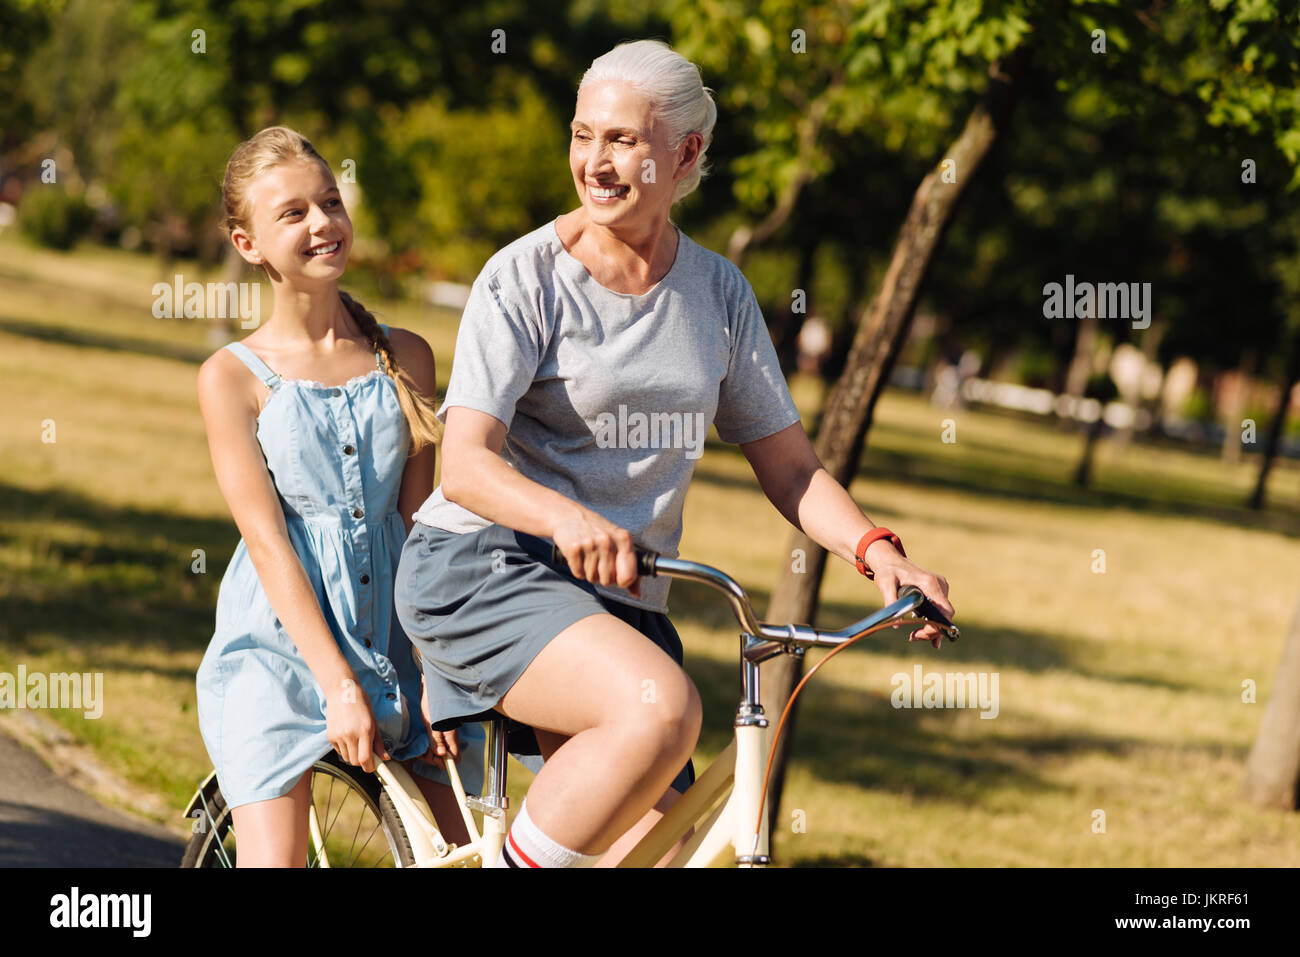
1228	69
1273	768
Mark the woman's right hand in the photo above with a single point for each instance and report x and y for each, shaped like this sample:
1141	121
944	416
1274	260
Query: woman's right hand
351	726
598	551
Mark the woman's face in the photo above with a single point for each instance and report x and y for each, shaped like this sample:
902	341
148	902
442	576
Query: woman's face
623	168
300	228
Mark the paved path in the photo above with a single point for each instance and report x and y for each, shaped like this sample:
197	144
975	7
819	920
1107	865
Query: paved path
46	822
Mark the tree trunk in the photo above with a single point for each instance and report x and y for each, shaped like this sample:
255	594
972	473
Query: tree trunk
1290	375
783	322
1080	368
1273	768
1083	471
1151	349
1230	452
876	346
232	270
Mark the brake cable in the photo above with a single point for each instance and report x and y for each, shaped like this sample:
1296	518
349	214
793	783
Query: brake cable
776	737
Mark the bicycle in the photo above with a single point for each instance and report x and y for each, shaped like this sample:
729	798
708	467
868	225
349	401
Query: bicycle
724	811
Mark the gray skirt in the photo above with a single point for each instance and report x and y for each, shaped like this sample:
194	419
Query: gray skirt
480	606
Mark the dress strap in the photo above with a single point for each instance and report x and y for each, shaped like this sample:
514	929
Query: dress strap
255	365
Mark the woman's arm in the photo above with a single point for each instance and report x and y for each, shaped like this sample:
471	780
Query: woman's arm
476	477
793	479
230	417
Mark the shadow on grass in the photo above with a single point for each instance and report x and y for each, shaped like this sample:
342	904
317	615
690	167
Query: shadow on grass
98	340
89	572
1175	499
849	736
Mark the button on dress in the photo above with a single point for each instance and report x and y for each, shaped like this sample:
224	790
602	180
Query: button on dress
336	455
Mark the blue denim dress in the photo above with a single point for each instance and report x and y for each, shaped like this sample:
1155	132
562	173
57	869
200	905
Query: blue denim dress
336	455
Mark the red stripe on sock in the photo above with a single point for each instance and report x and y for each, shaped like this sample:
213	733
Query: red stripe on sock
522	856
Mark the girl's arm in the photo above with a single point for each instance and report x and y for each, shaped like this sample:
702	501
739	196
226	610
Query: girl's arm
476	477
230	416
416	358
793	479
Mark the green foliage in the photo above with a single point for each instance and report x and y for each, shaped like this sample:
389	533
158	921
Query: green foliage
1198	407
1034	369
458	184
53	217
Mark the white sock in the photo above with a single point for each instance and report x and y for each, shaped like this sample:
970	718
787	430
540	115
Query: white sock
527	846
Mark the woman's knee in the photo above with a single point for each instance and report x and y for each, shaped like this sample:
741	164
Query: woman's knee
668	718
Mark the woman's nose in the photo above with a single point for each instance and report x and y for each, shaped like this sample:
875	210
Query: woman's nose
598	158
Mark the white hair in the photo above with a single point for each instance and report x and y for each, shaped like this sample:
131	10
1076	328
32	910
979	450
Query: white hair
678	96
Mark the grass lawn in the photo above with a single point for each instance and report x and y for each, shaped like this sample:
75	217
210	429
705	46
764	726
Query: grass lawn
1120	691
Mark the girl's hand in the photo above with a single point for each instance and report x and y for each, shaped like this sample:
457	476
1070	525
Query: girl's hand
441	743
351	726
892	571
598	551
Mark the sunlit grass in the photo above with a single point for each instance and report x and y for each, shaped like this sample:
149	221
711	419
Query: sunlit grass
1120	691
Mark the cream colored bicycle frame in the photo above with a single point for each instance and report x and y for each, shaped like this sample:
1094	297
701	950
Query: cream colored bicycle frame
723	806
726	835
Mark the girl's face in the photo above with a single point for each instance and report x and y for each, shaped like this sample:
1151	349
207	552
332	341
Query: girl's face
623	168
299	228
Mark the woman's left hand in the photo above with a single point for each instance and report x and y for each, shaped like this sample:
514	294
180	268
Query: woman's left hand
893	570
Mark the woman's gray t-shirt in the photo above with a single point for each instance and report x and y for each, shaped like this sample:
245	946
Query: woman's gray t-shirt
608	396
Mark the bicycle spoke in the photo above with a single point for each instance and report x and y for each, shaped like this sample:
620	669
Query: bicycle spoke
355	833
360	851
330	826
216	837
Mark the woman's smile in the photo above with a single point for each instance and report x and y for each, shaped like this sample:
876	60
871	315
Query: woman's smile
605	195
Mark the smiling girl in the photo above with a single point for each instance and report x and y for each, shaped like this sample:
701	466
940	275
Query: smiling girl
321	430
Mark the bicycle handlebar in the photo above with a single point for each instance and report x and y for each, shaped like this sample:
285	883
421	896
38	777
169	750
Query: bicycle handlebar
910	600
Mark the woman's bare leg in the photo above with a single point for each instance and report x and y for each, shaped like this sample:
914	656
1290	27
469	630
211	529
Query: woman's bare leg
273	833
631	716
549	743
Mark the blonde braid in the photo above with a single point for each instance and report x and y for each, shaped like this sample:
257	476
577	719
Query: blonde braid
420	409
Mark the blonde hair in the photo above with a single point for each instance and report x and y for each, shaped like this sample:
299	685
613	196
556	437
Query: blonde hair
272	147
679	97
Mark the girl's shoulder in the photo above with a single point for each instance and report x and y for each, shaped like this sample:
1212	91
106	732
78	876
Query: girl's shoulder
229	379
414	357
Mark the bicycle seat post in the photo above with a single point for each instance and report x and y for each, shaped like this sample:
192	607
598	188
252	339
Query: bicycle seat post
494	802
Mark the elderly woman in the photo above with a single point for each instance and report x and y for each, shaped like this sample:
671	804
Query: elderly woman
593	354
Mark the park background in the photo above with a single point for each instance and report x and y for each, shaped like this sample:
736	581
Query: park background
1115	508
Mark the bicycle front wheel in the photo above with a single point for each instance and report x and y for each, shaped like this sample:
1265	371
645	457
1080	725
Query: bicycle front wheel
353	823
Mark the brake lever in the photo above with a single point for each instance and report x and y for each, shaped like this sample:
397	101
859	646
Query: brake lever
927	610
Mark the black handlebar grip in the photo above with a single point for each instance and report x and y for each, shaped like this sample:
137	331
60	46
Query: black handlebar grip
645	560
926	609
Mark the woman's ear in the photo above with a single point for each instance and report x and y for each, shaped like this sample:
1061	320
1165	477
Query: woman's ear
246	247
692	146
